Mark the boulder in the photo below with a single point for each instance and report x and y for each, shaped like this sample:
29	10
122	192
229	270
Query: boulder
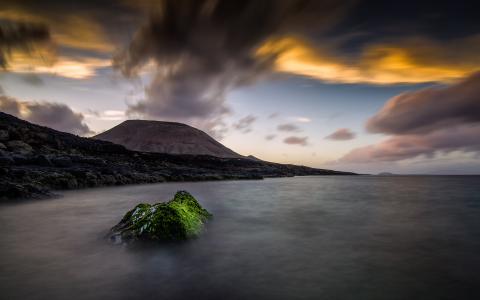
178	219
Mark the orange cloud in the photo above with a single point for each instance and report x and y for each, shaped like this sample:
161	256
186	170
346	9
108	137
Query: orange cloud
73	31
413	61
44	62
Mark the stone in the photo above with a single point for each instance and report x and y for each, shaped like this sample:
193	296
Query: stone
10	190
62	162
92	161
64	181
6	160
178	219
4	136
19	159
41	160
19	147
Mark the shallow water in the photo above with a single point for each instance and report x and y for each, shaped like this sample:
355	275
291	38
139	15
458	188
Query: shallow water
352	237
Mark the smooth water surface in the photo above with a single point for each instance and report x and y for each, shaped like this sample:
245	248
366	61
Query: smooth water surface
346	237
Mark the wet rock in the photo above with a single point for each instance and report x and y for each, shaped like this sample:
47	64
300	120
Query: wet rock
62	181
108	179
9	190
12	190
179	219
3	147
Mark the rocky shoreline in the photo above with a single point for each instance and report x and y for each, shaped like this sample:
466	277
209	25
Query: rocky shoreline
36	160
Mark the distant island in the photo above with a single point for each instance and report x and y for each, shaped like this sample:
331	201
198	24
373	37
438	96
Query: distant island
34	160
386	174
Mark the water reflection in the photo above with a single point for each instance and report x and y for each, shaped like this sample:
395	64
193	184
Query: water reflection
295	238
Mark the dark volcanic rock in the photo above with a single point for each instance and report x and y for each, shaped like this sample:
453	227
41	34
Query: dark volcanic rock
39	159
6	160
4	136
61	161
178	219
19	147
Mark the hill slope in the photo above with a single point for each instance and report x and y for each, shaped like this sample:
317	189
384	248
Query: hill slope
36	159
165	137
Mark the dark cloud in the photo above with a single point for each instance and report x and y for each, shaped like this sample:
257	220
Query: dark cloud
373	20
245	123
296	140
20	36
203	49
426	122
428	109
54	115
342	134
288	127
270	137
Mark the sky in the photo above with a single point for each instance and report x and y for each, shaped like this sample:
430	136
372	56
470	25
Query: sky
363	86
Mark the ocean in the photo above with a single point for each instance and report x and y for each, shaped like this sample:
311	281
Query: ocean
319	237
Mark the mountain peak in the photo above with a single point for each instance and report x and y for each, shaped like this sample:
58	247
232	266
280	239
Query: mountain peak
165	137
153	122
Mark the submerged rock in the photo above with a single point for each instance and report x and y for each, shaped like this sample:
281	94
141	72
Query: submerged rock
178	219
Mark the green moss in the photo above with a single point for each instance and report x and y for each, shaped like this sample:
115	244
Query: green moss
180	218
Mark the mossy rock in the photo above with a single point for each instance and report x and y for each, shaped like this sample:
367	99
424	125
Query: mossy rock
178	219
